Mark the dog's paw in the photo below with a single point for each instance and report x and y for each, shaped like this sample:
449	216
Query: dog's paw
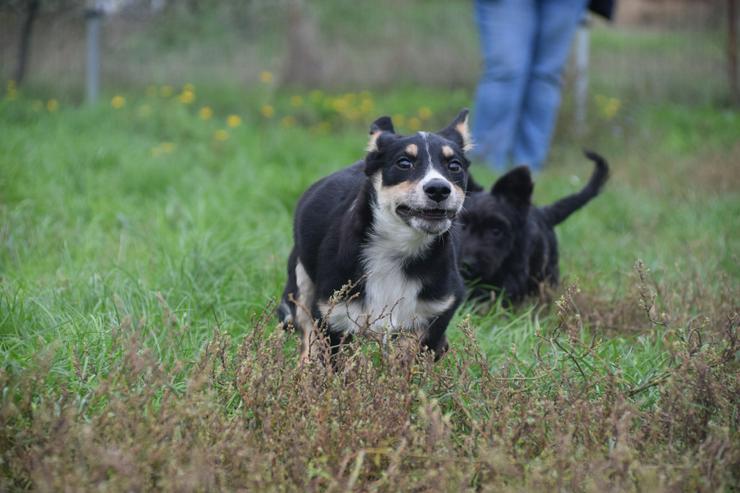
441	349
438	347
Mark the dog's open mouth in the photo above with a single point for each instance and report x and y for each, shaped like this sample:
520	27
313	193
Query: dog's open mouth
427	214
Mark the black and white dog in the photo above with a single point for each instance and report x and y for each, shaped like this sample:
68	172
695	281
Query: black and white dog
508	244
384	230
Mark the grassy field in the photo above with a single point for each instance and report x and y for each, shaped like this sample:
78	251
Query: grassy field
143	242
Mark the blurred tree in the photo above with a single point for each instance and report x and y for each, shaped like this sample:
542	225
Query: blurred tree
32	10
28	12
302	62
732	50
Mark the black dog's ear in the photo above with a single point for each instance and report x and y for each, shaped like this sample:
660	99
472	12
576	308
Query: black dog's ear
383	125
516	186
458	131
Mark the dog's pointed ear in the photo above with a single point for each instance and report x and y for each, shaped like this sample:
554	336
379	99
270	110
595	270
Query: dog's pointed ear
458	131
383	125
516	186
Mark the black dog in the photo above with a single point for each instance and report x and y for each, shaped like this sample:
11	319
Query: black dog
508	244
384	230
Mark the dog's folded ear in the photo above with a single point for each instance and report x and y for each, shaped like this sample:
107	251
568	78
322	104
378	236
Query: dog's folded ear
516	186
381	126
458	131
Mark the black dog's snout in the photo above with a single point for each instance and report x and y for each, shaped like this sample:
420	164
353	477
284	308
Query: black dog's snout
437	190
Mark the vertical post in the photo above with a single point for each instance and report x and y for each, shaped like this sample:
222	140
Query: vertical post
732	51
93	18
581	60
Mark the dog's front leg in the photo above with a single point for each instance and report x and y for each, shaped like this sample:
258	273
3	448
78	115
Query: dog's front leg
515	288
435	339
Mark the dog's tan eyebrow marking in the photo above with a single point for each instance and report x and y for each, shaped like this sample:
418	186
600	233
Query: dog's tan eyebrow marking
412	150
447	151
372	144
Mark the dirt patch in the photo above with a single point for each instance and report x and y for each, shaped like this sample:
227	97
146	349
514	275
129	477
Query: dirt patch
667	13
717	172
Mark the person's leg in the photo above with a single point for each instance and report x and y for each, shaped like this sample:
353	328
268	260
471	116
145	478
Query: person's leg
506	37
557	22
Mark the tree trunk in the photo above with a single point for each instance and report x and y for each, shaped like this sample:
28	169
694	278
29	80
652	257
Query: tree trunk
25	41
302	62
732	51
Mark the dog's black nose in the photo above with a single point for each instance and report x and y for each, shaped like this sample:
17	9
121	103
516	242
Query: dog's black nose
437	190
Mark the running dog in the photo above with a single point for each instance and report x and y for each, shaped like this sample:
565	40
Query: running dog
375	246
508	244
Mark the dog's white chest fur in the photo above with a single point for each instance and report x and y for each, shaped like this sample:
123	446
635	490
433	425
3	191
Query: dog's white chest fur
391	298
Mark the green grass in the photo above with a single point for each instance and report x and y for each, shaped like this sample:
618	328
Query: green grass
90	213
139	221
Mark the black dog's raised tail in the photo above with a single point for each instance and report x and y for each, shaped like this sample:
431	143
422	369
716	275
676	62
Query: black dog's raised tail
559	211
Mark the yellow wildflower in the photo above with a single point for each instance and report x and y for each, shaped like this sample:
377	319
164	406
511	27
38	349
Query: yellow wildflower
339	104
11	90
118	102
205	113
352	115
188	87
165	91
321	128
52	105
424	112
296	101
163	148
399	119
288	121
414	123
233	121
186	96
612	108
267	111
266	76
366	105
608	107
221	135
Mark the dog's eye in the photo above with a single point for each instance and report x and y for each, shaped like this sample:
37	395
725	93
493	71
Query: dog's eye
497	232
404	163
454	166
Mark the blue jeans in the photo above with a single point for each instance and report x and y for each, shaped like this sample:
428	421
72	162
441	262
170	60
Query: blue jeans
525	44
